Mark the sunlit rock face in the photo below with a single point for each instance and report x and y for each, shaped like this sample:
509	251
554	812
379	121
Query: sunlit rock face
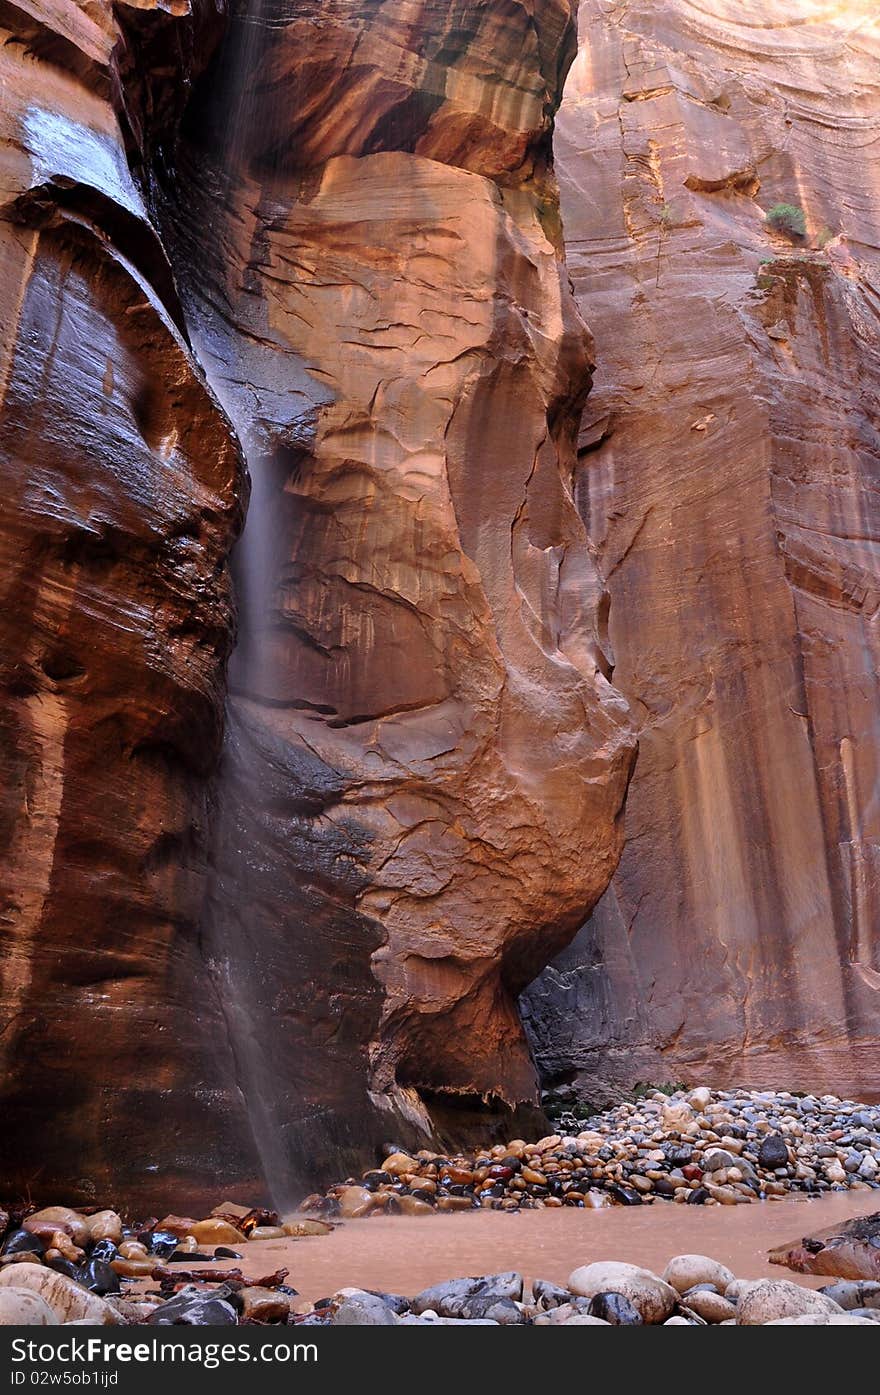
121	485
426	764
728	471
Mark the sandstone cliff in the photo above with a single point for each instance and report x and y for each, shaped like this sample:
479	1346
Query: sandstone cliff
218	969
425	764
720	167
122	490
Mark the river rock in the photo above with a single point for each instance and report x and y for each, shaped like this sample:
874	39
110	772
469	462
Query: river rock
685	1271
851	1294
52	1218
584	1320
771	1299
105	1225
549	1295
215	1231
397	1164
355	1202
21	1307
848	1250
177	1225
711	1307
297	1229
773	1152
195	1307
653	1298
364	1310
67	1299
22	1241
614	1309
98	1277
449	1299
822	1320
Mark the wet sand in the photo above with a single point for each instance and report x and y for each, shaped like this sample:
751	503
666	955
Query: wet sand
404	1254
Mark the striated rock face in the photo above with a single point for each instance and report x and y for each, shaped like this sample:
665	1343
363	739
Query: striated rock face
249	975
425	764
728	478
121	485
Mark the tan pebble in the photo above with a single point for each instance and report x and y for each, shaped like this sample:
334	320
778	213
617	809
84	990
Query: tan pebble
544	1145
53	1218
105	1225
414	1206
422	1184
133	1249
268	1232
297	1229
529	1174
133	1268
235	1210
399	1163
355	1202
264	1305
63	1245
180	1225
215	1231
454	1203
460	1176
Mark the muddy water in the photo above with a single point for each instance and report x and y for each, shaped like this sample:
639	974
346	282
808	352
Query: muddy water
403	1254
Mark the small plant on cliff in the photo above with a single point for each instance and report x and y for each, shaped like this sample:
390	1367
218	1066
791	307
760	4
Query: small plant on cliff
787	218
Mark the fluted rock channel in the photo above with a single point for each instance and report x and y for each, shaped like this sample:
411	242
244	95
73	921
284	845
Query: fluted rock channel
337	242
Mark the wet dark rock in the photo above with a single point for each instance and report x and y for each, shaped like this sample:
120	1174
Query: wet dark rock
20	1242
625	1196
63	1266
104	1250
97	1276
773	1152
616	1309
698	1196
161	1242
224	1252
194	1307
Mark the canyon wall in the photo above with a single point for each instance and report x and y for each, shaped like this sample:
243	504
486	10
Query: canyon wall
720	169
122	488
242	960
425	763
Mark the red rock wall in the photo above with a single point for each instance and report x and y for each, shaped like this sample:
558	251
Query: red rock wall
121	484
428	762
253	973
728	478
